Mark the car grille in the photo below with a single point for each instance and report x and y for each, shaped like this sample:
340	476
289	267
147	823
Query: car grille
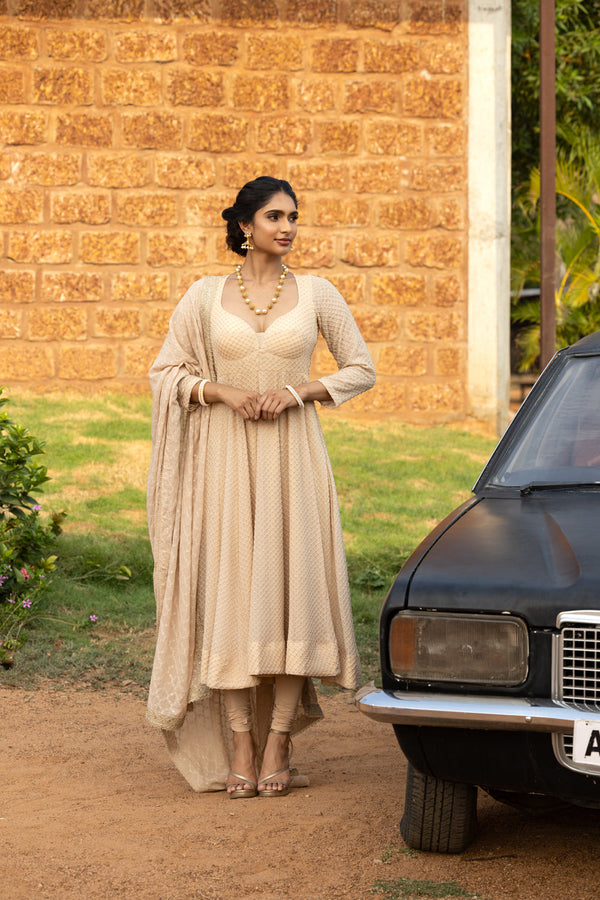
576	665
581	666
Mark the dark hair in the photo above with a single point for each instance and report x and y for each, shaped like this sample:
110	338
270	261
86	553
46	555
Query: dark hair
252	197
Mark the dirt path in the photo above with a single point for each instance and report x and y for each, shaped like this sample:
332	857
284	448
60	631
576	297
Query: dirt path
90	807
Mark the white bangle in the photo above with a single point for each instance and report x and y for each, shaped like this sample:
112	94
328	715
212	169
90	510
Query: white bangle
201	399
295	395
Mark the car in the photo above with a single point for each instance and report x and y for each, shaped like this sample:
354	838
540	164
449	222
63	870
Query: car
490	633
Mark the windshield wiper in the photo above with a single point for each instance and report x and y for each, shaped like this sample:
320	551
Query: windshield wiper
556	486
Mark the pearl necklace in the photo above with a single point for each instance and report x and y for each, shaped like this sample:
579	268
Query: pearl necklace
248	301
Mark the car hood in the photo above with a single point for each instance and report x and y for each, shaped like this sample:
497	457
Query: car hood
535	555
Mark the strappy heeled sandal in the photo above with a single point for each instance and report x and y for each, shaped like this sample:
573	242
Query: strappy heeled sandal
273	777
241	793
269	792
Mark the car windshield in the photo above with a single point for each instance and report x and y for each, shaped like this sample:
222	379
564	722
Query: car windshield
561	442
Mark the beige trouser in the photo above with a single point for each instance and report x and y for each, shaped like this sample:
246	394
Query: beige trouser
288	689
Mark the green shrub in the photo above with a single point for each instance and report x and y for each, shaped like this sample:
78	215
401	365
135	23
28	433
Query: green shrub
25	540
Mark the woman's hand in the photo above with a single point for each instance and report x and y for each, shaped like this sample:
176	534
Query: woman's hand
273	402
243	402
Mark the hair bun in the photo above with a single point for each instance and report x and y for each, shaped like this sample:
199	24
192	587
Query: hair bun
229	214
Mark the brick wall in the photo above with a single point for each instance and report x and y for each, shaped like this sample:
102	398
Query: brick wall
126	126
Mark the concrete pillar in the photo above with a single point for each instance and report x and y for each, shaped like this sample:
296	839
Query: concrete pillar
489	211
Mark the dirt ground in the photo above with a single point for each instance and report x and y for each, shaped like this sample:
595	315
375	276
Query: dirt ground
90	807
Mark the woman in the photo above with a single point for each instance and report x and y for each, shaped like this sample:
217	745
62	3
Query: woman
250	573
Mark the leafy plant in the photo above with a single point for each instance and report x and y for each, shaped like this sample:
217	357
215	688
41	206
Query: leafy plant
577	249
24	539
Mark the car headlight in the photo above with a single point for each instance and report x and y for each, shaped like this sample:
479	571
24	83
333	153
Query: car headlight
432	646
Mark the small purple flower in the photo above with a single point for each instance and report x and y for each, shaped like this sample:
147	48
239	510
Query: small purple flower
37	508
93	618
3	578
11	600
27	603
25	574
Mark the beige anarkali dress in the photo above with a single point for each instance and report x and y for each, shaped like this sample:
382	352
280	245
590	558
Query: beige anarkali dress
250	571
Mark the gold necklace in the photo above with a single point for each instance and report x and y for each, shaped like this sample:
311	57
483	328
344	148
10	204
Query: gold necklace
248	301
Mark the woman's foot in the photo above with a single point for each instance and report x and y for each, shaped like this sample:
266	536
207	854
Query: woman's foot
275	775
241	781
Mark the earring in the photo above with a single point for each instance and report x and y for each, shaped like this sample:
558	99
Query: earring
248	245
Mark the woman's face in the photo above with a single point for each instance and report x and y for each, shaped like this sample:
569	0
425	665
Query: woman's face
275	225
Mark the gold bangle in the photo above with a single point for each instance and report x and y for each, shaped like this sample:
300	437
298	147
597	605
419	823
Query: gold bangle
295	395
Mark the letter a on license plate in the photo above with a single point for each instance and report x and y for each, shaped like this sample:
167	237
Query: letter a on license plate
586	743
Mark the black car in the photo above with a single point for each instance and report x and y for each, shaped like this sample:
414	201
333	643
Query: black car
490	634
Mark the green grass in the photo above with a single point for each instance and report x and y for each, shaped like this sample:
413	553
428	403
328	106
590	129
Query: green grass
394	483
432	890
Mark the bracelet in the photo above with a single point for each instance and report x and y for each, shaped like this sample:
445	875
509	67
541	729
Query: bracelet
295	395
201	399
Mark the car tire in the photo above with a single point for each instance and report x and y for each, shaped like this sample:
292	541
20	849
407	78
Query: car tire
439	816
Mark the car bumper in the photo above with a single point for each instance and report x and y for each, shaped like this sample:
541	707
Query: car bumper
471	711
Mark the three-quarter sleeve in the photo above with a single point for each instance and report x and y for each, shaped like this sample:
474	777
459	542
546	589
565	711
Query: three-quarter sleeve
356	372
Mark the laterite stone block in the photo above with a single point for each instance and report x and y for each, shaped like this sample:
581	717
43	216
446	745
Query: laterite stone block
260	94
17	286
87	363
370	96
393	59
377	325
117	323
436	398
18	207
339	136
448	291
405	361
149	209
76	46
71	287
139	357
410	213
284	135
435	326
391	289
335	55
59	324
218	134
436	253
140	46
191	88
176	249
85	129
18	43
315	96
270	51
371	250
12	86
127	87
317	175
61	87
133	286
103	248
50	169
51	247
153	131
117	171
214	49
10	324
89	208
435	17
377	177
23	128
184	171
394	138
424	97
19	364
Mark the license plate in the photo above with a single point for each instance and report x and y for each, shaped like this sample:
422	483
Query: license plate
586	743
